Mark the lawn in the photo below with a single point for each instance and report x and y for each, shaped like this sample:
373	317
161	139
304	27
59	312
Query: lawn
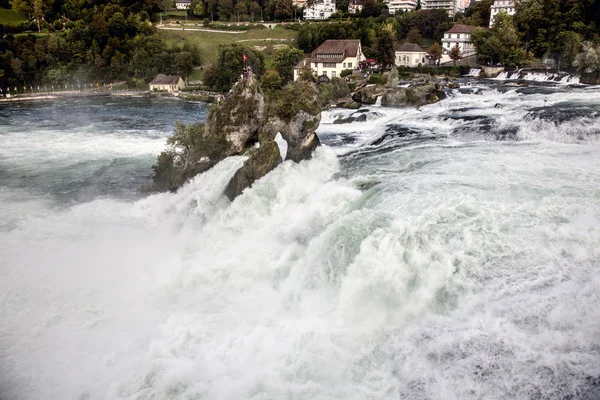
208	42
8	16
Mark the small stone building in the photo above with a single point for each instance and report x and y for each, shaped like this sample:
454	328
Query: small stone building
411	55
166	83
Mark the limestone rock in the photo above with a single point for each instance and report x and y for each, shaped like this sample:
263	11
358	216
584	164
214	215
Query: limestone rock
260	163
414	96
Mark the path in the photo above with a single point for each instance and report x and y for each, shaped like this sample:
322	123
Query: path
196	29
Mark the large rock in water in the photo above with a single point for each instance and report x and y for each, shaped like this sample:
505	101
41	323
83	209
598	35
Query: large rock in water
264	160
234	127
293	112
416	95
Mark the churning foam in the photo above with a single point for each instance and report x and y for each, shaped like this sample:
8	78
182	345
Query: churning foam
470	270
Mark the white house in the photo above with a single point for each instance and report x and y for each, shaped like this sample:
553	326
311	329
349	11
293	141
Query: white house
332	57
410	55
320	9
449	5
182	4
163	82
355	7
401	5
459	35
508	6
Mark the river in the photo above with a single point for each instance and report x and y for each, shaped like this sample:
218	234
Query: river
450	252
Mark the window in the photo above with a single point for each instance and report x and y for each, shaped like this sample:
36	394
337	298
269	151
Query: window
333	74
324	73
328	65
349	65
344	65
458	36
448	45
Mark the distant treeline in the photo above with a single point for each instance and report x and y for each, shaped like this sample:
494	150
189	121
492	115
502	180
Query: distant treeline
83	41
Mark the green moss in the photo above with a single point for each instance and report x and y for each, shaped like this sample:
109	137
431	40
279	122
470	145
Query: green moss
292	99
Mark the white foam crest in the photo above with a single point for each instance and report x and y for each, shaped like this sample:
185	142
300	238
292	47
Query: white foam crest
47	146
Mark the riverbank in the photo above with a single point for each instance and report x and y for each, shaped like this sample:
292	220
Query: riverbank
204	96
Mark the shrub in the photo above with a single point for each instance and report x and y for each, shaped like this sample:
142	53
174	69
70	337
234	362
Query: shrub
345	73
375	78
271	80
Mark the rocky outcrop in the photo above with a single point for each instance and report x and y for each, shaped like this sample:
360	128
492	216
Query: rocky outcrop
234	127
418	94
369	94
414	96
260	163
350	119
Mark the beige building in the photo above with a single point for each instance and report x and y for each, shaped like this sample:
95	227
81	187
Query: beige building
332	57
167	83
411	55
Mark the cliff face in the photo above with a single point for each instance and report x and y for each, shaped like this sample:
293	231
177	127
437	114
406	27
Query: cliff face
235	126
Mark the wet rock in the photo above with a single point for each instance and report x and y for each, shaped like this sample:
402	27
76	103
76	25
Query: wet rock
414	96
260	163
453	85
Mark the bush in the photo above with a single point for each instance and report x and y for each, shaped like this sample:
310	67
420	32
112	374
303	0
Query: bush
345	73
375	78
271	80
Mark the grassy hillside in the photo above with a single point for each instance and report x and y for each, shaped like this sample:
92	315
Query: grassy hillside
208	42
11	17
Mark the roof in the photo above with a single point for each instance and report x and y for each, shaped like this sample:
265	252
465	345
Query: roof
183	1
460	28
341	49
162	79
410	48
305	62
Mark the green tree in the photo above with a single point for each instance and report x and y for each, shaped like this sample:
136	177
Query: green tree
568	44
284	61
241	11
284	9
435	52
230	65
455	54
413	35
196	8
385	46
271	80
225	8
166	5
254	9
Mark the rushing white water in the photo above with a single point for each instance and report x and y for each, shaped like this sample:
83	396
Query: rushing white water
538	77
456	258
474	72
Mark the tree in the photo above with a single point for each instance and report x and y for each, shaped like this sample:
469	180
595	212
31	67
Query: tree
241	10
588	62
271	80
568	44
435	52
225	9
418	5
196	8
284	9
38	12
284	61
455	54
385	46
230	65
413	35
254	9
166	5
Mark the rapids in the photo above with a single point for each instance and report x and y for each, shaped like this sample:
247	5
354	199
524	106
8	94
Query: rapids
450	252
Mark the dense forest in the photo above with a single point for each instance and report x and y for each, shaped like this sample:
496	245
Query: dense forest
82	41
